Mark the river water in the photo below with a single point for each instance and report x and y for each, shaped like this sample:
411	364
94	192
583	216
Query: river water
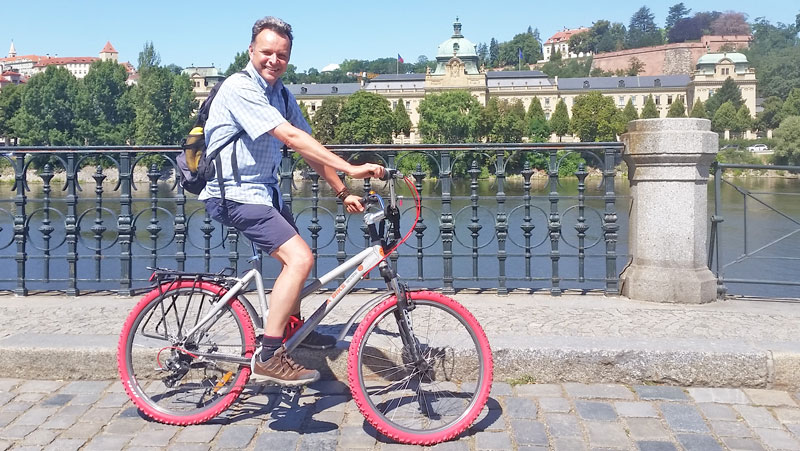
772	231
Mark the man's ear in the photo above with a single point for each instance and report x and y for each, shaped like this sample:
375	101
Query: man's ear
250	50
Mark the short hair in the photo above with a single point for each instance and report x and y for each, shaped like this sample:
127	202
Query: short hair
274	24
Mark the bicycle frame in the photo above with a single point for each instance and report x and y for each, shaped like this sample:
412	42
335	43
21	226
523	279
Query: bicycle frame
363	262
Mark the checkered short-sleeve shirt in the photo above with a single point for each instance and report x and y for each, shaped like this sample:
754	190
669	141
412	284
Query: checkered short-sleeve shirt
249	104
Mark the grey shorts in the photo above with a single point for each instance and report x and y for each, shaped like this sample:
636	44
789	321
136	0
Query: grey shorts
267	227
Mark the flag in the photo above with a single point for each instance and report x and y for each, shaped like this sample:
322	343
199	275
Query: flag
399	59
519	52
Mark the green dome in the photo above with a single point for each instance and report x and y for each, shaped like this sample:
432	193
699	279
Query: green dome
457	45
715	58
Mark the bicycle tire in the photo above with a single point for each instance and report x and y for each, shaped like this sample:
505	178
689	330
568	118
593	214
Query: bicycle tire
380	372
150	356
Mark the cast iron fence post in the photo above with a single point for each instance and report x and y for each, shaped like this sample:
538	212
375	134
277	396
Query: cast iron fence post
420	227
446	227
46	229
610	226
20	223
527	225
554	223
71	227
125	226
180	222
98	228
581	227
501	224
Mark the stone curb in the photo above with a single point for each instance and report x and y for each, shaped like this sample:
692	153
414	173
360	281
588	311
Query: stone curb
535	360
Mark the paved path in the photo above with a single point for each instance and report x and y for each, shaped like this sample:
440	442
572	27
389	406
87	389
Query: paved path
97	415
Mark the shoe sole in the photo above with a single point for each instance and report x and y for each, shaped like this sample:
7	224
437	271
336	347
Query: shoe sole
316	347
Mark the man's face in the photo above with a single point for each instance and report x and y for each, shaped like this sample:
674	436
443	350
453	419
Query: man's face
269	54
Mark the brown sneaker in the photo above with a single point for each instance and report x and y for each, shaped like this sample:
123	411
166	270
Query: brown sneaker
282	370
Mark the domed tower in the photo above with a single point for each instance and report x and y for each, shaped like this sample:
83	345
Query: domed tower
457	67
457	47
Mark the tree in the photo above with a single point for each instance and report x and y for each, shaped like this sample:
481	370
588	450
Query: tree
642	30
559	121
366	118
182	105
483	54
744	120
110	110
787	137
774	52
504	122
402	123
10	102
50	109
326	119
239	62
699	110
650	110
769	118
595	118
508	53
538	130
629	113
724	118
148	57
730	23
676	12
677	109
791	106
688	29
635	67
494	52
152	93
728	92
304	110
449	117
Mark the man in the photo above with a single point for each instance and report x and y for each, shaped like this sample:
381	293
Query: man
256	104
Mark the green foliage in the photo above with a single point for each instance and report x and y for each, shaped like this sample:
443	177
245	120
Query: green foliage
677	109
642	30
769	117
409	162
737	155
110	108
699	110
595	118
567	162
508	54
326	119
494	52
148	57
239	62
787	136
182	105
449	117
744	121
50	110
401	121
10	103
629	113
676	12
724	118
503	122
791	107
650	110
559	121
152	93
603	36
538	129
304	110
728	92
366	118
569	68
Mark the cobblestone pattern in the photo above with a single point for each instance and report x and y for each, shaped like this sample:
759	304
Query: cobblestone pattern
97	415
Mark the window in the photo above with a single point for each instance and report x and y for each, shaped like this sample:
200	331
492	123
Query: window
669	100
313	107
586	84
621	84
657	99
725	71
303	90
621	101
547	101
334	90
657	83
633	100
408	105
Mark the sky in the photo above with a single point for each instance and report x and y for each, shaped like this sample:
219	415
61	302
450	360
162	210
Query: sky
205	33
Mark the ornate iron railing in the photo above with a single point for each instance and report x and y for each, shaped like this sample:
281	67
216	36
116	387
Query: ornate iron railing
746	255
103	215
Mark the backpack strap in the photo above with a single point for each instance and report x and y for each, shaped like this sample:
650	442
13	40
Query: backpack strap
285	94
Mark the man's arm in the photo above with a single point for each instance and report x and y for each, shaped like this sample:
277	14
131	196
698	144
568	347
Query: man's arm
314	152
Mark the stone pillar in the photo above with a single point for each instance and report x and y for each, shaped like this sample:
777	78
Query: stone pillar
668	164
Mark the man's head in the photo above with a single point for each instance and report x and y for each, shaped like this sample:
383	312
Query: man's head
271	47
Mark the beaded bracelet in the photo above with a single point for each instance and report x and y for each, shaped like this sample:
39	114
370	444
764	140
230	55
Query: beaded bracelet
343	193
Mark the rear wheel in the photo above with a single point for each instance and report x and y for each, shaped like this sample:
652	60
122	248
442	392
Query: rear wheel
178	380
427	386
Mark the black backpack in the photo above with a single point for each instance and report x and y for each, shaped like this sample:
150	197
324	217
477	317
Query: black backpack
195	162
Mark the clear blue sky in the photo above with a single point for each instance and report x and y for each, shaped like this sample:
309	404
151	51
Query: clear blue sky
203	32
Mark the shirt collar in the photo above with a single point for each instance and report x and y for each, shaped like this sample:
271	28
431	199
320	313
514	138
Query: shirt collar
260	80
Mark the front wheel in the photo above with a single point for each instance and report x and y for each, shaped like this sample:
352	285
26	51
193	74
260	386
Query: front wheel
420	376
183	380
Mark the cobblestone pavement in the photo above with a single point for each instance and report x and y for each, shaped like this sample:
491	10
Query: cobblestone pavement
97	415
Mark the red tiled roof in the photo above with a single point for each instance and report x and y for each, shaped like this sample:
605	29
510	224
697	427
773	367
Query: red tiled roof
108	48
34	58
564	35
9	72
66	60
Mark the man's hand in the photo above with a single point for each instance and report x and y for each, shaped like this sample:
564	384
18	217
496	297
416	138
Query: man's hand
353	204
366	170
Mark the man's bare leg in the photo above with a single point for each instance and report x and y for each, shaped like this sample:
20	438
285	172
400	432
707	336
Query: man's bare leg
296	258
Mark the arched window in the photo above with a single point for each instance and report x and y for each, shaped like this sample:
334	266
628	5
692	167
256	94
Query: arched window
586	84
303	90
657	83
621	84
334	89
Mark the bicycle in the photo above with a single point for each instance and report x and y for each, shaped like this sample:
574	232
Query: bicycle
419	364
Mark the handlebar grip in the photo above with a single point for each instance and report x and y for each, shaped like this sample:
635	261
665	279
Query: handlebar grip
388	173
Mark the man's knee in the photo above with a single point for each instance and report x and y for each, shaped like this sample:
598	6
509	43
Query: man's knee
295	254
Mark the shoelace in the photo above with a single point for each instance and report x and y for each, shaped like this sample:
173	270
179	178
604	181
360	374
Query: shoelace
288	360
